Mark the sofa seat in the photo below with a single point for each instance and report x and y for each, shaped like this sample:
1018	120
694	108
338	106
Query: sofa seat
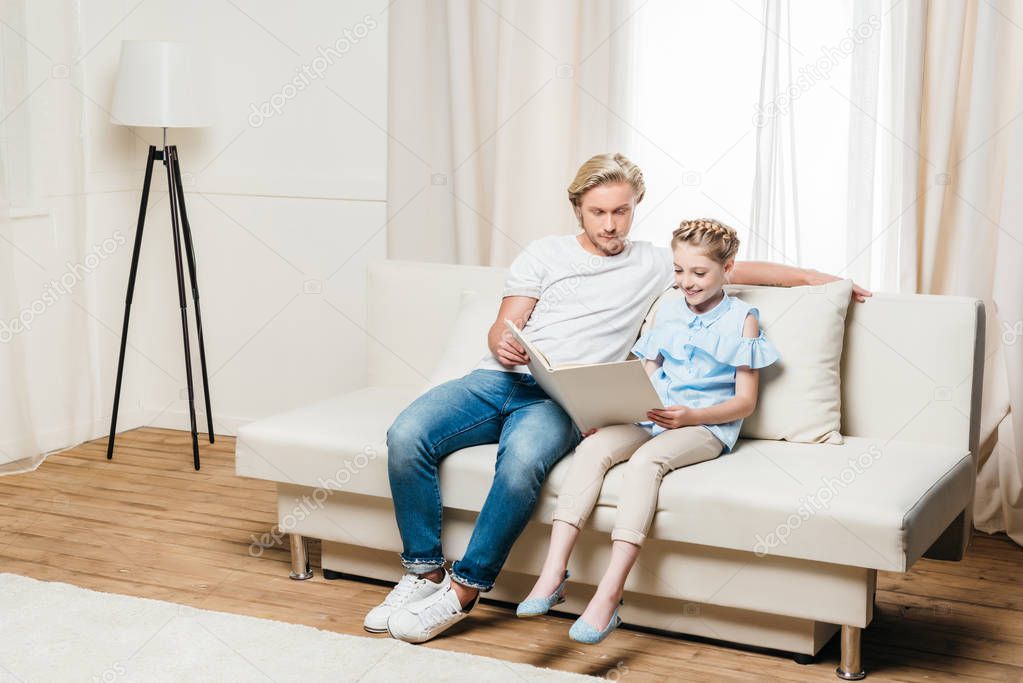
337	444
865	503
813	501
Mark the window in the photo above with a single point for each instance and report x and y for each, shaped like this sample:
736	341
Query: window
692	124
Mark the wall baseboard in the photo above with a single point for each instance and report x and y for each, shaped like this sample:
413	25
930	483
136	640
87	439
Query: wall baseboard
178	419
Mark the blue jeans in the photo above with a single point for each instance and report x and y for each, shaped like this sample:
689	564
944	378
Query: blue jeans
486	406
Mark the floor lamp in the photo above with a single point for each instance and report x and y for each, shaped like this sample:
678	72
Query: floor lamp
164	85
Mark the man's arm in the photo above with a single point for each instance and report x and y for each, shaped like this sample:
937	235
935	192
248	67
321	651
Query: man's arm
778	275
500	340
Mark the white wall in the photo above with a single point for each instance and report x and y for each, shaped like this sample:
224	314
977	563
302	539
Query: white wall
285	209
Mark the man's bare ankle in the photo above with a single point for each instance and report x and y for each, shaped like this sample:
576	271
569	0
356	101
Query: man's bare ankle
437	575
466	594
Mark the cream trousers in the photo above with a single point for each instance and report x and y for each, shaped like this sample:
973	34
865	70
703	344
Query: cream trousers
649	459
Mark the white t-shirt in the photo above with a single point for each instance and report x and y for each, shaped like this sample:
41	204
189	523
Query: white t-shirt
589	307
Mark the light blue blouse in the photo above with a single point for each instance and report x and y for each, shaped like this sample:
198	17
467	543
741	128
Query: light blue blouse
701	352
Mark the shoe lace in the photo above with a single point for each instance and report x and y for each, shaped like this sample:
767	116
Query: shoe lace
401	592
437	612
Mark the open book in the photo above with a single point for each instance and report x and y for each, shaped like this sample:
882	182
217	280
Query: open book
594	395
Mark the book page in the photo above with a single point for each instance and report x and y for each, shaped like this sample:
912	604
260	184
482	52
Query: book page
593	394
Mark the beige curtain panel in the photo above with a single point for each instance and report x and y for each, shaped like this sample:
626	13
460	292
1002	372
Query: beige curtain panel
491	107
965	235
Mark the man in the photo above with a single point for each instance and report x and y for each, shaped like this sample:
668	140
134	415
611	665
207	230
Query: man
582	299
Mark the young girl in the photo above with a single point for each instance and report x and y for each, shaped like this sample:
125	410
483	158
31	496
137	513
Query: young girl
702	356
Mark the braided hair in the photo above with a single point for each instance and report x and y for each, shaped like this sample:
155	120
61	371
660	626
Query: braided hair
719	241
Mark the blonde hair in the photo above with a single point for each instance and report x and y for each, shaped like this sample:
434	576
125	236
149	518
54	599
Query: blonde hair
603	169
719	241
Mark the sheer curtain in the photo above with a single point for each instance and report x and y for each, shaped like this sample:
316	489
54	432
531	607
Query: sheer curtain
885	91
19	445
51	396
17	442
740	111
687	125
774	209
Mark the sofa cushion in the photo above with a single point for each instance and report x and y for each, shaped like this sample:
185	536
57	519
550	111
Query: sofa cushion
864	503
467	343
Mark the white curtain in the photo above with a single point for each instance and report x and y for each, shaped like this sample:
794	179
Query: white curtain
739	110
15	425
50	396
492	108
886	82
775	209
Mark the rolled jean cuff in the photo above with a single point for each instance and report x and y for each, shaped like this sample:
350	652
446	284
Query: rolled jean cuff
481	587
420	566
627	535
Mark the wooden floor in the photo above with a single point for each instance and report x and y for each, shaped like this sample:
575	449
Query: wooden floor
146	524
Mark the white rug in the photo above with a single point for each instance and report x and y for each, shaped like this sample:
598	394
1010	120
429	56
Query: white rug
58	632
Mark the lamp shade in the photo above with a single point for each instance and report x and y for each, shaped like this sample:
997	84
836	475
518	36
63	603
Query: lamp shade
162	85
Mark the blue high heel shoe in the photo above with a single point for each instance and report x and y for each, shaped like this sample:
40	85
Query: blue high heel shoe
582	632
534	607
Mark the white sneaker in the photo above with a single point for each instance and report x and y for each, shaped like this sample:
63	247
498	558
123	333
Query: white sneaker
410	588
418	622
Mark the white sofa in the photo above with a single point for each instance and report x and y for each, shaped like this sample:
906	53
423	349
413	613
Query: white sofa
735	552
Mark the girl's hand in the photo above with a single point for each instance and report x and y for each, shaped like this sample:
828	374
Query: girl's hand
672	417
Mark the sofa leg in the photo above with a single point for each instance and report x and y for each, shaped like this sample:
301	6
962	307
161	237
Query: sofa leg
300	569
849	668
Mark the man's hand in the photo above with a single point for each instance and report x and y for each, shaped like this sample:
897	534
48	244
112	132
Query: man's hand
815	277
779	275
672	417
509	351
501	342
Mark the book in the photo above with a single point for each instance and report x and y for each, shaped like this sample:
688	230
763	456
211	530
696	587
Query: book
594	395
